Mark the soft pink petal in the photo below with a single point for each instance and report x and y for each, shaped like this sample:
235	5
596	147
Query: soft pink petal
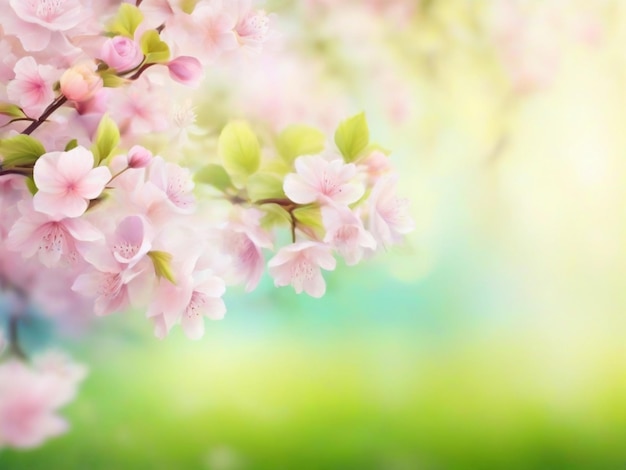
92	185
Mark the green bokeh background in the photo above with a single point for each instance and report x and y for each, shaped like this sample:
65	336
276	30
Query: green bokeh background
493	339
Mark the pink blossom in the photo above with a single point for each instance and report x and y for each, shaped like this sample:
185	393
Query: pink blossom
80	82
196	295
299	265
175	182
30	398
345	232
113	289
67	181
215	30
205	301
324	181
125	246
253	29
55	240
244	239
375	165
186	70
55	15
139	157
32	87
34	21
389	217
121	53
136	110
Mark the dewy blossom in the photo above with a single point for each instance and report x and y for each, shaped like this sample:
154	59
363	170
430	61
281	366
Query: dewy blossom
67	181
30	398
32	87
320	180
299	265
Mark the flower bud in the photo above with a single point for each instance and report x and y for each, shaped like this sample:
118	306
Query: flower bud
121	53
139	157
186	70
80	83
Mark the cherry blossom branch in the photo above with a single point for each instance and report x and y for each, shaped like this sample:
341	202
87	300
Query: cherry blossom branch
289	206
16	171
14	344
56	104
13	336
141	70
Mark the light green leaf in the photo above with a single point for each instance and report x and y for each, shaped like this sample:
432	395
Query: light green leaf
20	150
352	136
265	186
107	139
110	79
30	184
72	144
155	50
299	140
12	110
188	6
239	149
274	215
162	262
311	216
215	175
125	23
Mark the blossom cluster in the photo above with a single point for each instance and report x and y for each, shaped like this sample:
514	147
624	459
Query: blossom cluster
97	215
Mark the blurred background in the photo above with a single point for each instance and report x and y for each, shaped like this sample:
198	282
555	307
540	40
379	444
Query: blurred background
494	338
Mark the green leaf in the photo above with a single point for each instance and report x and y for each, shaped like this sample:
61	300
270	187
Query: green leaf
12	110
311	216
162	262
72	144
274	215
30	184
265	186
188	6
20	150
110	79
155	50
299	140
215	175
239	149
107	138
125	23
352	136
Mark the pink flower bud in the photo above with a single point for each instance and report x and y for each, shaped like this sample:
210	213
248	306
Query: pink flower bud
121	53
186	70
139	157
80	83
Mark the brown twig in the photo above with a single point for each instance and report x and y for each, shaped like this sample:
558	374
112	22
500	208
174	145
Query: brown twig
56	104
